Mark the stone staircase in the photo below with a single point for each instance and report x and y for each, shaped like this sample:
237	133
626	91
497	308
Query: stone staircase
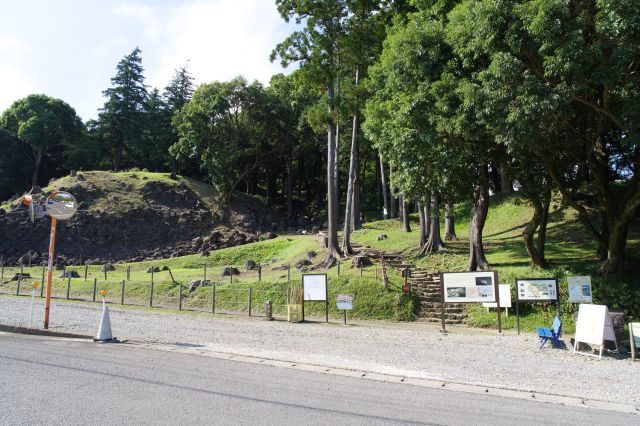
427	287
424	284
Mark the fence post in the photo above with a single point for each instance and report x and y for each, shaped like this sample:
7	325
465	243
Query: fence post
213	298
105	271
19	281
289	273
95	285
42	283
180	297
122	294
249	301
68	285
338	267
361	270
259	272
151	293
376	265
86	269
128	273
204	276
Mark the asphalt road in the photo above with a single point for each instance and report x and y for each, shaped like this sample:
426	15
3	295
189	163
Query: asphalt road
62	381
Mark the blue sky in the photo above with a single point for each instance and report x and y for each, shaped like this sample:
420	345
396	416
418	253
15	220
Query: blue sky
69	49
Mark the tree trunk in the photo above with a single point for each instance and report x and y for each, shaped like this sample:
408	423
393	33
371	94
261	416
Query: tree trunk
614	265
434	243
393	206
385	198
332	199
422	238
427	216
538	222
449	223
506	185
290	188
477	259
353	164
36	166
117	158
406	227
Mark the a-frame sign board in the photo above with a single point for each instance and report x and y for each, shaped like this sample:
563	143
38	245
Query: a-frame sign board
594	326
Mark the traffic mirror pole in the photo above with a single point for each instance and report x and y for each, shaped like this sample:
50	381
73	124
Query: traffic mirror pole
52	244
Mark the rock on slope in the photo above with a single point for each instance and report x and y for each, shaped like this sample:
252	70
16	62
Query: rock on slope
132	217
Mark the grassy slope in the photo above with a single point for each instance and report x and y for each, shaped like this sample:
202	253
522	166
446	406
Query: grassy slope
569	250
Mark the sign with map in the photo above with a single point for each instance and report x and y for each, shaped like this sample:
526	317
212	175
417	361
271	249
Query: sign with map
468	287
532	289
579	289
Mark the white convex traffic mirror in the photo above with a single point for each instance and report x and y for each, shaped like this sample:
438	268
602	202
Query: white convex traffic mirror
61	205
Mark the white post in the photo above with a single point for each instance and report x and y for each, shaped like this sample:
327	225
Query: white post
33	300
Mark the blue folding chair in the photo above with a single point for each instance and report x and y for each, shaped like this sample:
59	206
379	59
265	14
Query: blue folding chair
545	334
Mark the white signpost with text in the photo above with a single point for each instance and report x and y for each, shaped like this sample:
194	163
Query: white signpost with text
593	327
470	287
344	302
314	288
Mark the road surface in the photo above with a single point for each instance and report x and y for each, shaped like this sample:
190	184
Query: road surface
48	380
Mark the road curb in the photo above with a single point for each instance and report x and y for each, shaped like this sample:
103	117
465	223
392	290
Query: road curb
433	383
40	332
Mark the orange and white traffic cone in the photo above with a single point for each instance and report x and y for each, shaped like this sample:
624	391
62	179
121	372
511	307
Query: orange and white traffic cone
104	331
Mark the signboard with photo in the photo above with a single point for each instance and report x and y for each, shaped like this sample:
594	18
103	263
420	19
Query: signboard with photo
579	289
469	287
534	289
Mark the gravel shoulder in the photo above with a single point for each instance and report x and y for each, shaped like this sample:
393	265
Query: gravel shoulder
412	350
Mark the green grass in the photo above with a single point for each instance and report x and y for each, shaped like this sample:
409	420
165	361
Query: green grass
569	250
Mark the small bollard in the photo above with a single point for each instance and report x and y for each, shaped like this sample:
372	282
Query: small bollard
268	310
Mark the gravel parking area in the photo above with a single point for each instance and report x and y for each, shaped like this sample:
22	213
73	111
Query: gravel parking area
412	350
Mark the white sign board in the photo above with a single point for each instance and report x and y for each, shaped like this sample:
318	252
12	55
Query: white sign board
579	289
593	326
505	297
468	287
344	301
537	289
314	287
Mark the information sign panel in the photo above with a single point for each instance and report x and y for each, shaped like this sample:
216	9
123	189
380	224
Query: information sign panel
579	289
314	287
505	297
469	287
344	301
534	289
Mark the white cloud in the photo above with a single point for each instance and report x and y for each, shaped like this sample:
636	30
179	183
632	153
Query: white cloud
220	39
14	81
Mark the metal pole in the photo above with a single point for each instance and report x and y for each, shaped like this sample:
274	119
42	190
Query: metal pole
213	298
180	297
19	281
52	243
68	285
497	292
517	309
151	293
42	283
249	301
444	329
95	285
122	294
